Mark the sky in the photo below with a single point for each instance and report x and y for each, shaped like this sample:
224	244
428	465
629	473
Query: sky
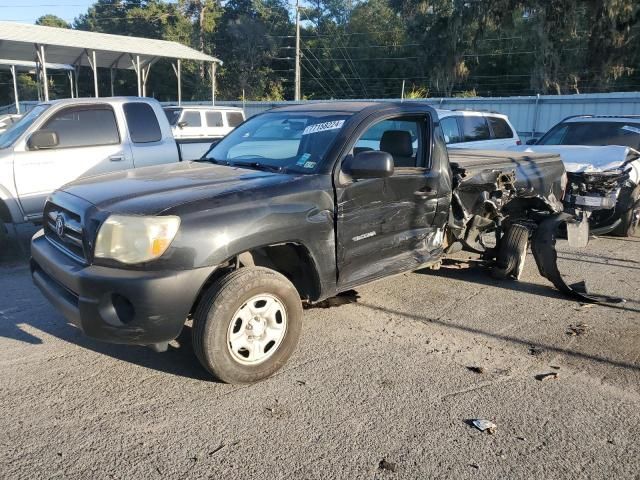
27	11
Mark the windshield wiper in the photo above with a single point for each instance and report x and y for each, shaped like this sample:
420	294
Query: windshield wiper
213	160
257	166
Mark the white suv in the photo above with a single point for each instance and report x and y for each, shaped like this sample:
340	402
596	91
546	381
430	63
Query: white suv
480	130
196	122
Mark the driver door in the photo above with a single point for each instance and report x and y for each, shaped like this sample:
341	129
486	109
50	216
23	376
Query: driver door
385	225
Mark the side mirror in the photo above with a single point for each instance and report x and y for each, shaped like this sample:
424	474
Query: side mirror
531	141
43	139
371	164
182	124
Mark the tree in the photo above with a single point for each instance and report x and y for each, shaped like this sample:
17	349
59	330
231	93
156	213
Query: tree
52	21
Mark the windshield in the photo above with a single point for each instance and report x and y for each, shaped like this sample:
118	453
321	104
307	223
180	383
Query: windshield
9	137
285	141
594	134
173	114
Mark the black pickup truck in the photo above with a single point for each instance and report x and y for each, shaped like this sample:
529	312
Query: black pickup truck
295	205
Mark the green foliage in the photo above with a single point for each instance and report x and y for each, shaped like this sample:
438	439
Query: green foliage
52	21
417	92
366	48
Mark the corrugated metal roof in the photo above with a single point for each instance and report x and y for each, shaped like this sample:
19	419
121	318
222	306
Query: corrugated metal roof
68	46
26	66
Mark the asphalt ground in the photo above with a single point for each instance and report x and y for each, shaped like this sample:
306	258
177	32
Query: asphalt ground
384	384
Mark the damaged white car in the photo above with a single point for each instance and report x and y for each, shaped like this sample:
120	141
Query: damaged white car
602	158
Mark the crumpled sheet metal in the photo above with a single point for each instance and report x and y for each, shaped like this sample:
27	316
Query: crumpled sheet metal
543	246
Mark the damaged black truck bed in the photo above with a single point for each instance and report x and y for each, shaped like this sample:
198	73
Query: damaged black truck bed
296	205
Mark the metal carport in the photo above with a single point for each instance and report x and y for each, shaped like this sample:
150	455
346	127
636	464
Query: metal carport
24	42
15	66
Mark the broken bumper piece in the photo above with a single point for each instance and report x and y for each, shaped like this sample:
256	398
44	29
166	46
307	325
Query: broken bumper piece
543	247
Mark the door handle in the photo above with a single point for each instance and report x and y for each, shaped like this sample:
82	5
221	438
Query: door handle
425	192
116	158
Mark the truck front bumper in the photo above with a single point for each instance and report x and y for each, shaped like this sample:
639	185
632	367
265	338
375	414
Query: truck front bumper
116	305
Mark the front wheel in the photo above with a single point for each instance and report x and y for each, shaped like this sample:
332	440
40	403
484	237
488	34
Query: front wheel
247	325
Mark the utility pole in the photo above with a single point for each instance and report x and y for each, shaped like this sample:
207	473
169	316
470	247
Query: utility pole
298	80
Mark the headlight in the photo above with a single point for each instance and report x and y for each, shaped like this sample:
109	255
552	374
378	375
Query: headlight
131	239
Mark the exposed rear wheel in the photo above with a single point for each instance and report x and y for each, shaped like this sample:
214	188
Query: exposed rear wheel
247	325
512	253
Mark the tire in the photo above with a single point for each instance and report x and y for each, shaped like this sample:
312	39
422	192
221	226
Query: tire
227	310
512	252
4	235
630	217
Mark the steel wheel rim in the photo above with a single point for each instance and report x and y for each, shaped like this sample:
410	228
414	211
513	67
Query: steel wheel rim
257	329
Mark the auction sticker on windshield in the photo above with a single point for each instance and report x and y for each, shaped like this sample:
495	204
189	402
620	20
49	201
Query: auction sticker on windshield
323	127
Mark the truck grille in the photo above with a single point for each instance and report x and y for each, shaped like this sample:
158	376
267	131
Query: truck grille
63	228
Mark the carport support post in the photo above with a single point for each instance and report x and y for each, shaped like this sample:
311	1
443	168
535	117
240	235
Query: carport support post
95	73
70	76
213	83
94	67
145	76
75	78
111	71
43	68
15	88
138	75
179	75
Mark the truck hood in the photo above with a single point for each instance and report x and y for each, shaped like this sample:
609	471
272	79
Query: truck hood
151	190
582	158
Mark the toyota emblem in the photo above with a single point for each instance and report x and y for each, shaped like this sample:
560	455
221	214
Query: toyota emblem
60	225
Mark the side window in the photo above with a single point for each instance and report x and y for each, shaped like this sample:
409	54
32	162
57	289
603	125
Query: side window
192	118
401	138
500	127
214	119
142	122
474	128
234	119
555	136
84	126
451	130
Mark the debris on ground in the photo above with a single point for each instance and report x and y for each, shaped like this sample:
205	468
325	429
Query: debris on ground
276	411
385	465
535	351
555	367
583	306
475	369
474	465
485	426
579	329
301	383
343	298
547	376
217	449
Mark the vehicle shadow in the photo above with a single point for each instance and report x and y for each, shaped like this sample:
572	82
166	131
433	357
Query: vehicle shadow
472	273
30	314
15	249
502	337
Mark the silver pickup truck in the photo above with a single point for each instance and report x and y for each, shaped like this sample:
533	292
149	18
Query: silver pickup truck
63	140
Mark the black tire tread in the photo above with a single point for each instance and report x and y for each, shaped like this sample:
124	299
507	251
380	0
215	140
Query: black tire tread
513	241
216	293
